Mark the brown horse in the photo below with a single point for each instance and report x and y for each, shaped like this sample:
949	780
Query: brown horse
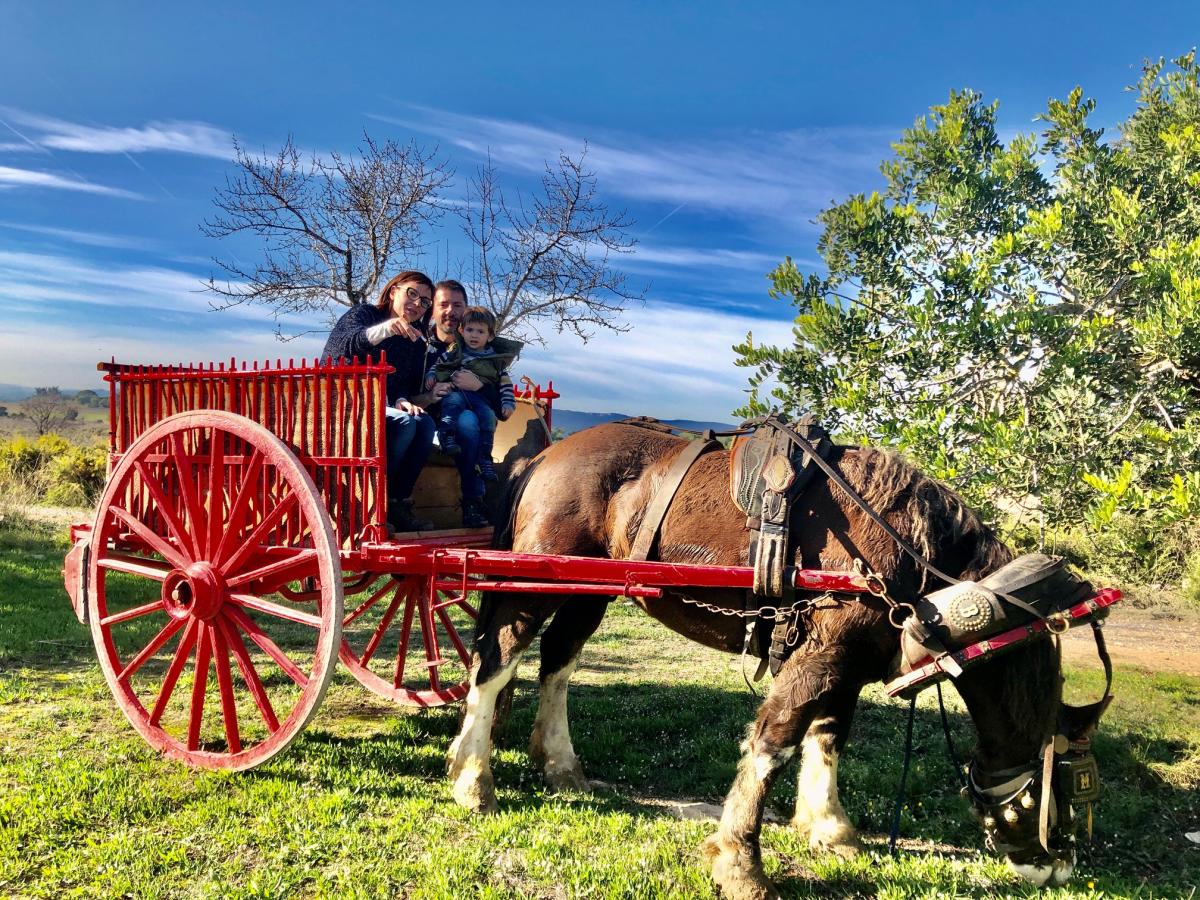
586	495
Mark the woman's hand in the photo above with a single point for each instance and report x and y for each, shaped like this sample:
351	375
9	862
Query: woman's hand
408	407
466	380
398	326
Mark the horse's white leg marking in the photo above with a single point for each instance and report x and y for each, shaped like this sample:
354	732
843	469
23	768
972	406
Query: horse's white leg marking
550	745
1055	873
819	812
736	864
469	756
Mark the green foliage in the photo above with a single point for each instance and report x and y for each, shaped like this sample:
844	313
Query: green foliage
1022	319
51	470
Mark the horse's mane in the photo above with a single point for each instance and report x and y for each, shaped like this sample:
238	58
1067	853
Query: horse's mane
935	520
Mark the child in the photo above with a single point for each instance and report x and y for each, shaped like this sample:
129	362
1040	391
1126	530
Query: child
477	350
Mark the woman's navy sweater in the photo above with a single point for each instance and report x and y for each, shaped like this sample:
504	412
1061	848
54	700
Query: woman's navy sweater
349	339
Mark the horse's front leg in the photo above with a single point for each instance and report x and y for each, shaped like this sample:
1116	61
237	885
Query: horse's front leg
550	744
505	629
819	812
804	683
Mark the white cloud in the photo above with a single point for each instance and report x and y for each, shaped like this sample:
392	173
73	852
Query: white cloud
676	362
13	177
28	277
784	175
26	359
196	138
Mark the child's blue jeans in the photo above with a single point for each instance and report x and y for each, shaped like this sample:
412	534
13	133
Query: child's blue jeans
467	416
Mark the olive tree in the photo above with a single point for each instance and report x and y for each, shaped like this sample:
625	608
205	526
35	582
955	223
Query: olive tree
1021	317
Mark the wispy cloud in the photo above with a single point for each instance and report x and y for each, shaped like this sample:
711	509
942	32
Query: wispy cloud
661	255
88	238
784	175
155	292
172	136
31	178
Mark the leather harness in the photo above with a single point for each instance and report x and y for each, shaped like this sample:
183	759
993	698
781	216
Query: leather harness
767	473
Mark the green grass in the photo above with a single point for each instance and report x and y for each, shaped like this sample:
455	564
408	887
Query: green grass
359	806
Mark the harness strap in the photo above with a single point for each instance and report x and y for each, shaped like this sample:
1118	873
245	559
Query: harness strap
908	740
656	511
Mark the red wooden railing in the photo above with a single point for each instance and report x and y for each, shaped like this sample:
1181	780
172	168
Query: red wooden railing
331	415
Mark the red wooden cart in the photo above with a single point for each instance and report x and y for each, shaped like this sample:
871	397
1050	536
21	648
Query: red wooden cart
244	504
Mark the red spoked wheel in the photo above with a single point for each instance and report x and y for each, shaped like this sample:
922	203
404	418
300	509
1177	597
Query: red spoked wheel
410	643
204	519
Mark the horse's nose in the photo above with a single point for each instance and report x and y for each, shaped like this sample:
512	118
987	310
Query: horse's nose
1054	872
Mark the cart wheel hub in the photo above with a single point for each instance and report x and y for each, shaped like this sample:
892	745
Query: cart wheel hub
198	591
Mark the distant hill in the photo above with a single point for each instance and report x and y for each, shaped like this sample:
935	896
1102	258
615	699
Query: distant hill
10	393
570	421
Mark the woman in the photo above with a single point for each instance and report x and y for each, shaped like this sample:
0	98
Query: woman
395	324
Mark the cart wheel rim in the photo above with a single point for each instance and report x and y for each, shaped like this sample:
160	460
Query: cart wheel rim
408	644
203	518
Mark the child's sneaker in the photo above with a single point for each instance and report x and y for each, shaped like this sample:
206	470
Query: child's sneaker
448	441
487	471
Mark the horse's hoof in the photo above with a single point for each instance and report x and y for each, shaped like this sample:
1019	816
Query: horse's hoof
568	778
736	873
830	836
475	792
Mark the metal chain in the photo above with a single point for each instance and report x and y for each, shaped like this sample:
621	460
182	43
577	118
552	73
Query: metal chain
770	613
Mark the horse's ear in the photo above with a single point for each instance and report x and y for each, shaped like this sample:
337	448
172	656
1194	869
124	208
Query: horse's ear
1079	723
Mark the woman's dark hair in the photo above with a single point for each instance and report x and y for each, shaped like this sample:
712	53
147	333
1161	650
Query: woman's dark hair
385	296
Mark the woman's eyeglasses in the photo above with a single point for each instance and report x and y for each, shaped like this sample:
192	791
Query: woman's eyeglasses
415	297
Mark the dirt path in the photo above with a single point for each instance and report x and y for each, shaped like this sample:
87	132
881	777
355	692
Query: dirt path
1155	639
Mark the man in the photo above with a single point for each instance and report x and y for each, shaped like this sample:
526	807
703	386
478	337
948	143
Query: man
449	306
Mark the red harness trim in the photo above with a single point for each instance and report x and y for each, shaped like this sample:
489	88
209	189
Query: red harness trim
934	670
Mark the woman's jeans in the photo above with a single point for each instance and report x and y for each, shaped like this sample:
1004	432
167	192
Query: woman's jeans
409	443
471	420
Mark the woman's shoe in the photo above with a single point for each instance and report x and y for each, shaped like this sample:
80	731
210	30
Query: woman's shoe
473	514
401	517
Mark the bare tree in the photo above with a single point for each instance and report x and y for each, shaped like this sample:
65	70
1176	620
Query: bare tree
333	227
46	409
548	262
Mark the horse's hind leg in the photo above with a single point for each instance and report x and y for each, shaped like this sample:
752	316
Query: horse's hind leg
506	627
550	745
819	812
803	686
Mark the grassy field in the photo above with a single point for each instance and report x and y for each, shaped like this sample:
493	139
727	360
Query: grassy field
359	806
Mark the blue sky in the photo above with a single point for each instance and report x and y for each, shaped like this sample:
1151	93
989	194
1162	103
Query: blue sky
722	129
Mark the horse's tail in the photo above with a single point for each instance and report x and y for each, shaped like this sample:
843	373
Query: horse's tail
502	534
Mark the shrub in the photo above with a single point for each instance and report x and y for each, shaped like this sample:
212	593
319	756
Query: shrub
50	470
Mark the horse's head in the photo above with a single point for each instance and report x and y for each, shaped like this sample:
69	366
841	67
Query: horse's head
1032	762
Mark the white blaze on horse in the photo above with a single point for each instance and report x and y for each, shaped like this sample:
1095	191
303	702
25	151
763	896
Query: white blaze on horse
588	495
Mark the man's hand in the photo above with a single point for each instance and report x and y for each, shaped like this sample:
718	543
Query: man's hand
406	406
466	380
